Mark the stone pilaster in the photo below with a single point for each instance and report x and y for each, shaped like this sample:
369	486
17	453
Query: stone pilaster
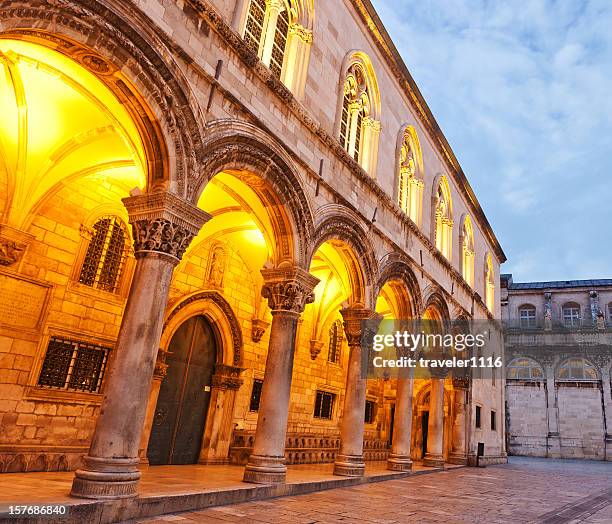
459	436
359	328
163	225
288	290
399	459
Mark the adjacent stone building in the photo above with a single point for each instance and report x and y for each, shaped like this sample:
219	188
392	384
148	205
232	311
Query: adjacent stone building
558	338
200	201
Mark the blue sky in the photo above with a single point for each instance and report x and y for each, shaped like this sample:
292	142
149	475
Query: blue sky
523	93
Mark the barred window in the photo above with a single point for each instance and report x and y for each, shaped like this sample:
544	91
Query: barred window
324	405
256	395
105	255
74	365
370	411
335	342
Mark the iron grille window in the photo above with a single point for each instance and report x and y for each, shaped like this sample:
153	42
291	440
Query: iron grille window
254	25
104	258
324	405
74	365
256	395
335	342
370	411
280	41
493	421
478	409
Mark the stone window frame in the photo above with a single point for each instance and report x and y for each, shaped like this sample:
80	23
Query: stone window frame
610	313
493	420
255	381
326	388
248	414
409	178
374	402
467	250
128	264
442	217
568	318
291	67
337	323
35	392
527	307
489	282
477	416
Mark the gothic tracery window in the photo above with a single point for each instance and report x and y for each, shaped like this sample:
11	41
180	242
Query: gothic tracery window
467	251
489	278
443	219
335	342
104	259
410	185
524	369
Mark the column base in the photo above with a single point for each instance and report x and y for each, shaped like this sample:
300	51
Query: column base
263	469
436	461
458	458
399	462
349	466
106	478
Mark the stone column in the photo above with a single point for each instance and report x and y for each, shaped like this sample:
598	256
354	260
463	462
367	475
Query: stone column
435	429
349	461
399	459
163	225
159	373
607	405
459	443
288	290
218	429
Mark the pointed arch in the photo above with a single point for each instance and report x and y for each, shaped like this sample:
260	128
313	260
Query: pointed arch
442	216
396	268
466	249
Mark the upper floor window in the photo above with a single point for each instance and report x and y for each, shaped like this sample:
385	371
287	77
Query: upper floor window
279	32
571	315
489	278
610	312
359	117
105	256
467	251
410	177
443	218
524	369
335	342
527	316
577	369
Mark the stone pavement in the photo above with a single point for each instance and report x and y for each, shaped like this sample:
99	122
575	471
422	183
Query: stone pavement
526	490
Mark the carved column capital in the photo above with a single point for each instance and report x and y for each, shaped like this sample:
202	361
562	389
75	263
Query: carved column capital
163	223
360	325
299	30
315	348
288	289
258	328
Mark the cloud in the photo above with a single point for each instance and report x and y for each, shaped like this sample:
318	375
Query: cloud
522	92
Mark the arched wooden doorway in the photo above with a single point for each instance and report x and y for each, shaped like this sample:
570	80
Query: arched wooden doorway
182	406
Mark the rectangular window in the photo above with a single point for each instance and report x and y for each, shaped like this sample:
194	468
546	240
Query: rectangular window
528	318
324	405
73	365
256	395
571	316
478	416
493	421
370	411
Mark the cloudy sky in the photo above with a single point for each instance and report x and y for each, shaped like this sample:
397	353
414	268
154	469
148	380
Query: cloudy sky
523	93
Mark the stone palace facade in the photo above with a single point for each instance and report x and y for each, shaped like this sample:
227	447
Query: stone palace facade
200	201
558	341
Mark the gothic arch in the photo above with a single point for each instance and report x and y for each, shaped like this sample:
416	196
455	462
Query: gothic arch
339	223
248	153
123	51
216	309
433	297
396	267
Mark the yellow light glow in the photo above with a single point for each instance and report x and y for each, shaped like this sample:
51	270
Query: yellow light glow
59	123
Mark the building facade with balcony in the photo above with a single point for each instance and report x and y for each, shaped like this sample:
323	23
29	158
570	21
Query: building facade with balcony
558	344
